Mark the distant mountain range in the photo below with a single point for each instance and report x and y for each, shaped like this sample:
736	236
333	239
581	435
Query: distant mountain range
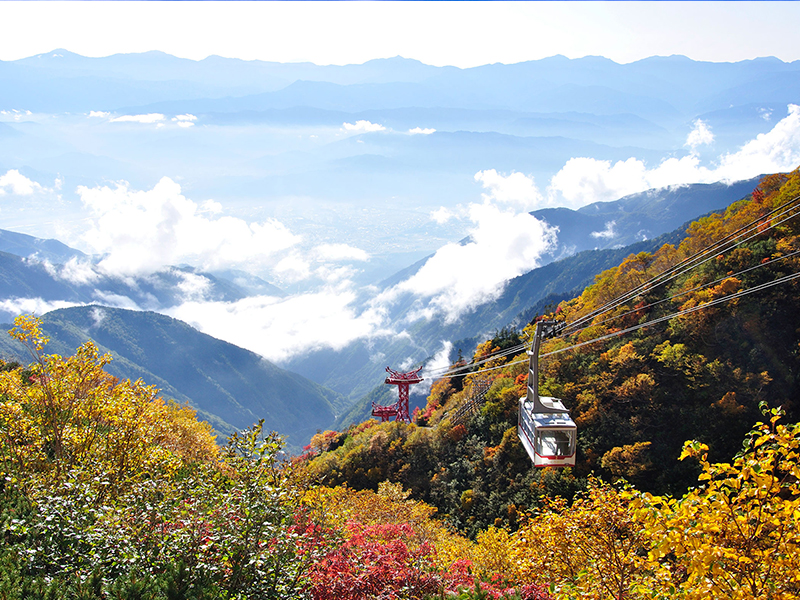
268	140
232	388
47	270
638	217
660	86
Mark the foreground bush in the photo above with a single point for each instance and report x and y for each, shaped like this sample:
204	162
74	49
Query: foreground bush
109	491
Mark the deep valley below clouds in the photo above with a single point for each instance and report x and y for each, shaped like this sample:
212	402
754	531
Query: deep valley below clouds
354	210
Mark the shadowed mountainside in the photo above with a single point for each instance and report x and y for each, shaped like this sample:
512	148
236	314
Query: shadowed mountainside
230	387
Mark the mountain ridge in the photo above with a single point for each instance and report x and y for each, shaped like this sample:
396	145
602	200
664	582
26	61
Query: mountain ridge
230	386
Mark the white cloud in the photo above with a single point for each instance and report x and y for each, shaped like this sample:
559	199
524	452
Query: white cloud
405	365
441	215
116	300
211	206
75	270
14	182
339	252
192	285
148	118
765	113
417	130
362	127
99	114
78	271
98	315
503	244
438	364
608	233
184	120
776	150
16	114
585	180
516	189
340	275
34	306
143	231
278	328
293	268
699	136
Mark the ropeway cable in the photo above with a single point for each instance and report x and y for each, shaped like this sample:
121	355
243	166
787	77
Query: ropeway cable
694	289
686	264
655	321
515	349
757	288
624	297
499	354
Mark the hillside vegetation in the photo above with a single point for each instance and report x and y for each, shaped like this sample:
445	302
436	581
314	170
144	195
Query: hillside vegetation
635	397
108	491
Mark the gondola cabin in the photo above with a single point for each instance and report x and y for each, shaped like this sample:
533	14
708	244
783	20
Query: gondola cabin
544	427
548	438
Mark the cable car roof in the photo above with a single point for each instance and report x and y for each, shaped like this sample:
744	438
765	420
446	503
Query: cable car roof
545	421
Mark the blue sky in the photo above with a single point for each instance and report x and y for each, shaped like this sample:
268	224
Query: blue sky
463	34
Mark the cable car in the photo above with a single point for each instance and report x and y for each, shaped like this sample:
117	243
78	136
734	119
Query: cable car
544	427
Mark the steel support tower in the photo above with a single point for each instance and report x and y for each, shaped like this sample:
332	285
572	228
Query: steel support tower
398	410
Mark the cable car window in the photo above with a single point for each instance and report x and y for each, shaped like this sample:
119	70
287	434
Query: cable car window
554	442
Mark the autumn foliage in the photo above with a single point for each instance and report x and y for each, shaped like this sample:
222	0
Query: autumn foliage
110	491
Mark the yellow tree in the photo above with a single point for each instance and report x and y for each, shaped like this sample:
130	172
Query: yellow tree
737	536
61	413
596	548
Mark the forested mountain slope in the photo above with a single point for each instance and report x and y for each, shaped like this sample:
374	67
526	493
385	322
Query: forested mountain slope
230	387
523	298
636	394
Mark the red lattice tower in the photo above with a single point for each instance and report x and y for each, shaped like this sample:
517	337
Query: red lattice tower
398	410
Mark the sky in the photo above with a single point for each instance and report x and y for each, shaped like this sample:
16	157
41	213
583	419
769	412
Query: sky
463	34
460	276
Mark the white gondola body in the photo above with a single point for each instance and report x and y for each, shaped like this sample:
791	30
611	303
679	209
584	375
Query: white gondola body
548	438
